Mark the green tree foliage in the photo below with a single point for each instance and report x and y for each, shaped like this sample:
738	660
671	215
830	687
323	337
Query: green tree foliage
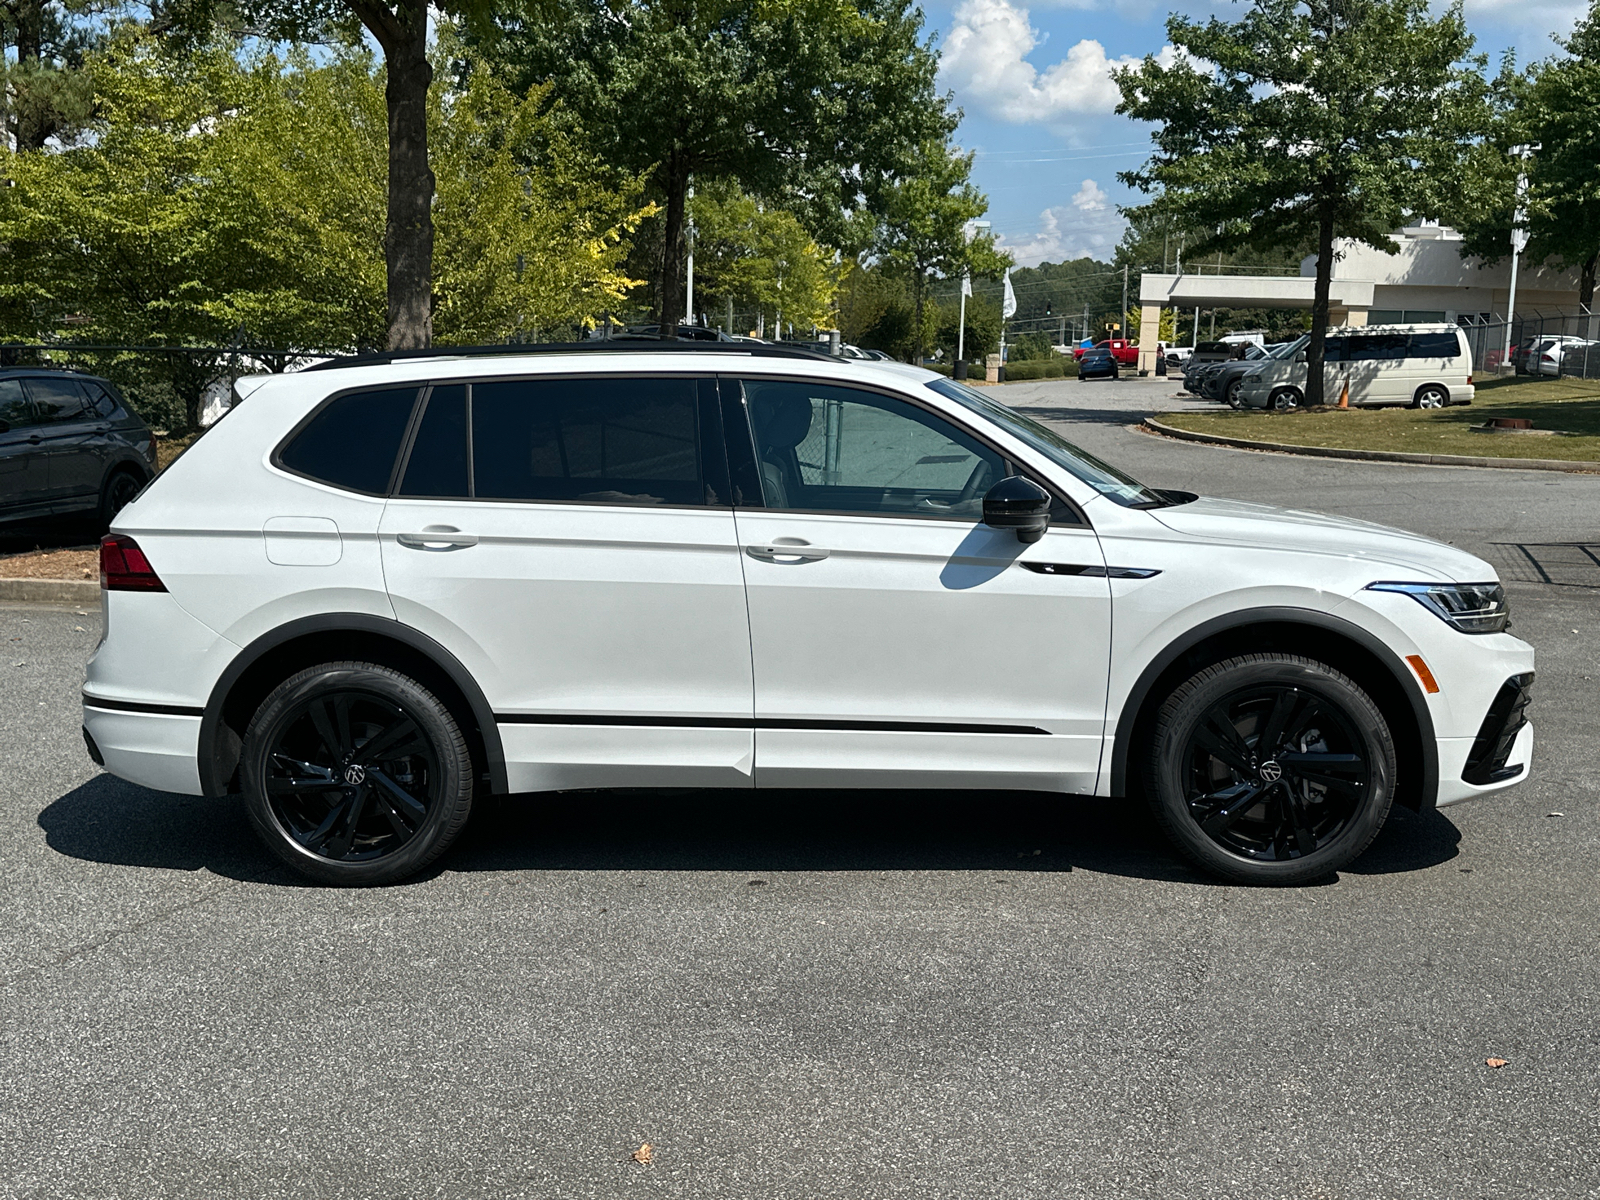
400	28
761	258
44	93
924	222
807	104
1555	105
223	197
1307	121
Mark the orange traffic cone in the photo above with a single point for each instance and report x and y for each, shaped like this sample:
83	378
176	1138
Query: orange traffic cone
1344	395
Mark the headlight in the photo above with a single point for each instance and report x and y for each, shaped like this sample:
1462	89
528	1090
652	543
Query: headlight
1470	607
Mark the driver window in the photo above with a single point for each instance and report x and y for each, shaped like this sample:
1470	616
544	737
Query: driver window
836	449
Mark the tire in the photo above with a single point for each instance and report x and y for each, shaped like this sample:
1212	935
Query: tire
118	492
1231	397
1431	396
1284	400
1297	816
379	818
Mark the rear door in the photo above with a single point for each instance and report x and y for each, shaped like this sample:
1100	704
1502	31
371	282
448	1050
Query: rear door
22	464
570	540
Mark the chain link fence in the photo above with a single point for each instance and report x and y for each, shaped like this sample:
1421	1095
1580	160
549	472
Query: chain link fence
1540	347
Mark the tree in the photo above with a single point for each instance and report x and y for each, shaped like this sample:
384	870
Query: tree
400	28
808	104
48	90
222	196
760	257
1308	121
1556	107
926	218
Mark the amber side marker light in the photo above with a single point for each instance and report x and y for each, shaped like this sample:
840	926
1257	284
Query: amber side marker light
1429	683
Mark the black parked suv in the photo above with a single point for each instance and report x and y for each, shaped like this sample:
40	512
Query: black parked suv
68	445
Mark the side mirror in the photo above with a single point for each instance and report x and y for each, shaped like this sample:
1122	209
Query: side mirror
1019	504
1300	356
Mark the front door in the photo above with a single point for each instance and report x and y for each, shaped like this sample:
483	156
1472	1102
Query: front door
23	481
571	542
74	442
899	641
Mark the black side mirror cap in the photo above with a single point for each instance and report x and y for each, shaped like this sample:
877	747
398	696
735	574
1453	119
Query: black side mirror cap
1019	504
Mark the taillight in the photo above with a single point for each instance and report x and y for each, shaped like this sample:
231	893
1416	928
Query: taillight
124	568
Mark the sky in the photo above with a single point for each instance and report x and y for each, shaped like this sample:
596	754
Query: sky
1033	80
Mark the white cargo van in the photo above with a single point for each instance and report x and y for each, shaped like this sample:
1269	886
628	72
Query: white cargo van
1422	366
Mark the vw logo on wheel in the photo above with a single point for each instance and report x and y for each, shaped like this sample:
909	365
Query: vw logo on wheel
355	773
1270	771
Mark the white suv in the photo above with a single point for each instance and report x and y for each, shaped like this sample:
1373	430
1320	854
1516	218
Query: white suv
375	591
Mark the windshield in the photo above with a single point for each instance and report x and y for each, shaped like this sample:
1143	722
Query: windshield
1102	477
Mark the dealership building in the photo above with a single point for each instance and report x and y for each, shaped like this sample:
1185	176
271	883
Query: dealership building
1428	280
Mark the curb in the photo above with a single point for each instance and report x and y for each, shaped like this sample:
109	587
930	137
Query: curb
51	591
1394	456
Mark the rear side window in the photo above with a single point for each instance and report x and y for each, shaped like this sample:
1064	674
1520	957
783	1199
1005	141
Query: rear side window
14	410
352	441
57	399
614	441
99	399
438	463
1435	345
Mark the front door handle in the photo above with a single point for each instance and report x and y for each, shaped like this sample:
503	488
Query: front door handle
787	554
437	537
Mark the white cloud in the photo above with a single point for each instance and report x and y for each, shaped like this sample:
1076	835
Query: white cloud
985	62
1090	197
1084	227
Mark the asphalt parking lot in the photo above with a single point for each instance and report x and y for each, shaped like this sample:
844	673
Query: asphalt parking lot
827	995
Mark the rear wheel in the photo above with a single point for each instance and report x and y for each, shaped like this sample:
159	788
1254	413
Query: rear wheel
1432	396
117	494
1271	769
355	774
1284	399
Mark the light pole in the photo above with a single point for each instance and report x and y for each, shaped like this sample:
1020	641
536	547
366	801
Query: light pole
688	298
959	370
1519	242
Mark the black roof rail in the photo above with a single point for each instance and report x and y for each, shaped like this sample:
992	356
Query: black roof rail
618	345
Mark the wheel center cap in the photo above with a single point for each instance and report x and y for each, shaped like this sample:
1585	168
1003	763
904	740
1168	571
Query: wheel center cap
1270	771
355	773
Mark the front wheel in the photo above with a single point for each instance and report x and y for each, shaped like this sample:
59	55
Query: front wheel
1270	769
1285	400
355	774
1231	399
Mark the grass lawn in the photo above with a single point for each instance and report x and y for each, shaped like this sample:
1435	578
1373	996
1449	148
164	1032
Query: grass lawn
1571	406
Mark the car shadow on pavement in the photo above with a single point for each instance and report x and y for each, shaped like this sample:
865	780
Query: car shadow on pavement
106	820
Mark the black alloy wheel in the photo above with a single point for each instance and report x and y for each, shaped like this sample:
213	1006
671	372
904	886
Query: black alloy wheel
119	492
1271	769
356	774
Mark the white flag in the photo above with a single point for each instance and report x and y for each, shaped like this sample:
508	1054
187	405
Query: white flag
1009	307
966	283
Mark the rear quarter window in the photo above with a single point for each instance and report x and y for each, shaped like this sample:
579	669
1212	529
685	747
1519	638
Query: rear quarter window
1435	345
352	441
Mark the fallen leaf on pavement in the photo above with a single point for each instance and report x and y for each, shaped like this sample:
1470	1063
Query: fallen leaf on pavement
643	1153
1496	1063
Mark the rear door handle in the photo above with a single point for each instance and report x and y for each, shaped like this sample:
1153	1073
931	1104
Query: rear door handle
787	554
437	537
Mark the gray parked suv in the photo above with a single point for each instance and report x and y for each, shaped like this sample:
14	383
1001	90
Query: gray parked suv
68	445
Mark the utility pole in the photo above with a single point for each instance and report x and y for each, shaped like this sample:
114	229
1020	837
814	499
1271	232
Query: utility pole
1125	300
1519	242
730	314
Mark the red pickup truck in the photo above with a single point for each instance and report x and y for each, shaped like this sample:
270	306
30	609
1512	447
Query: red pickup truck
1125	352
